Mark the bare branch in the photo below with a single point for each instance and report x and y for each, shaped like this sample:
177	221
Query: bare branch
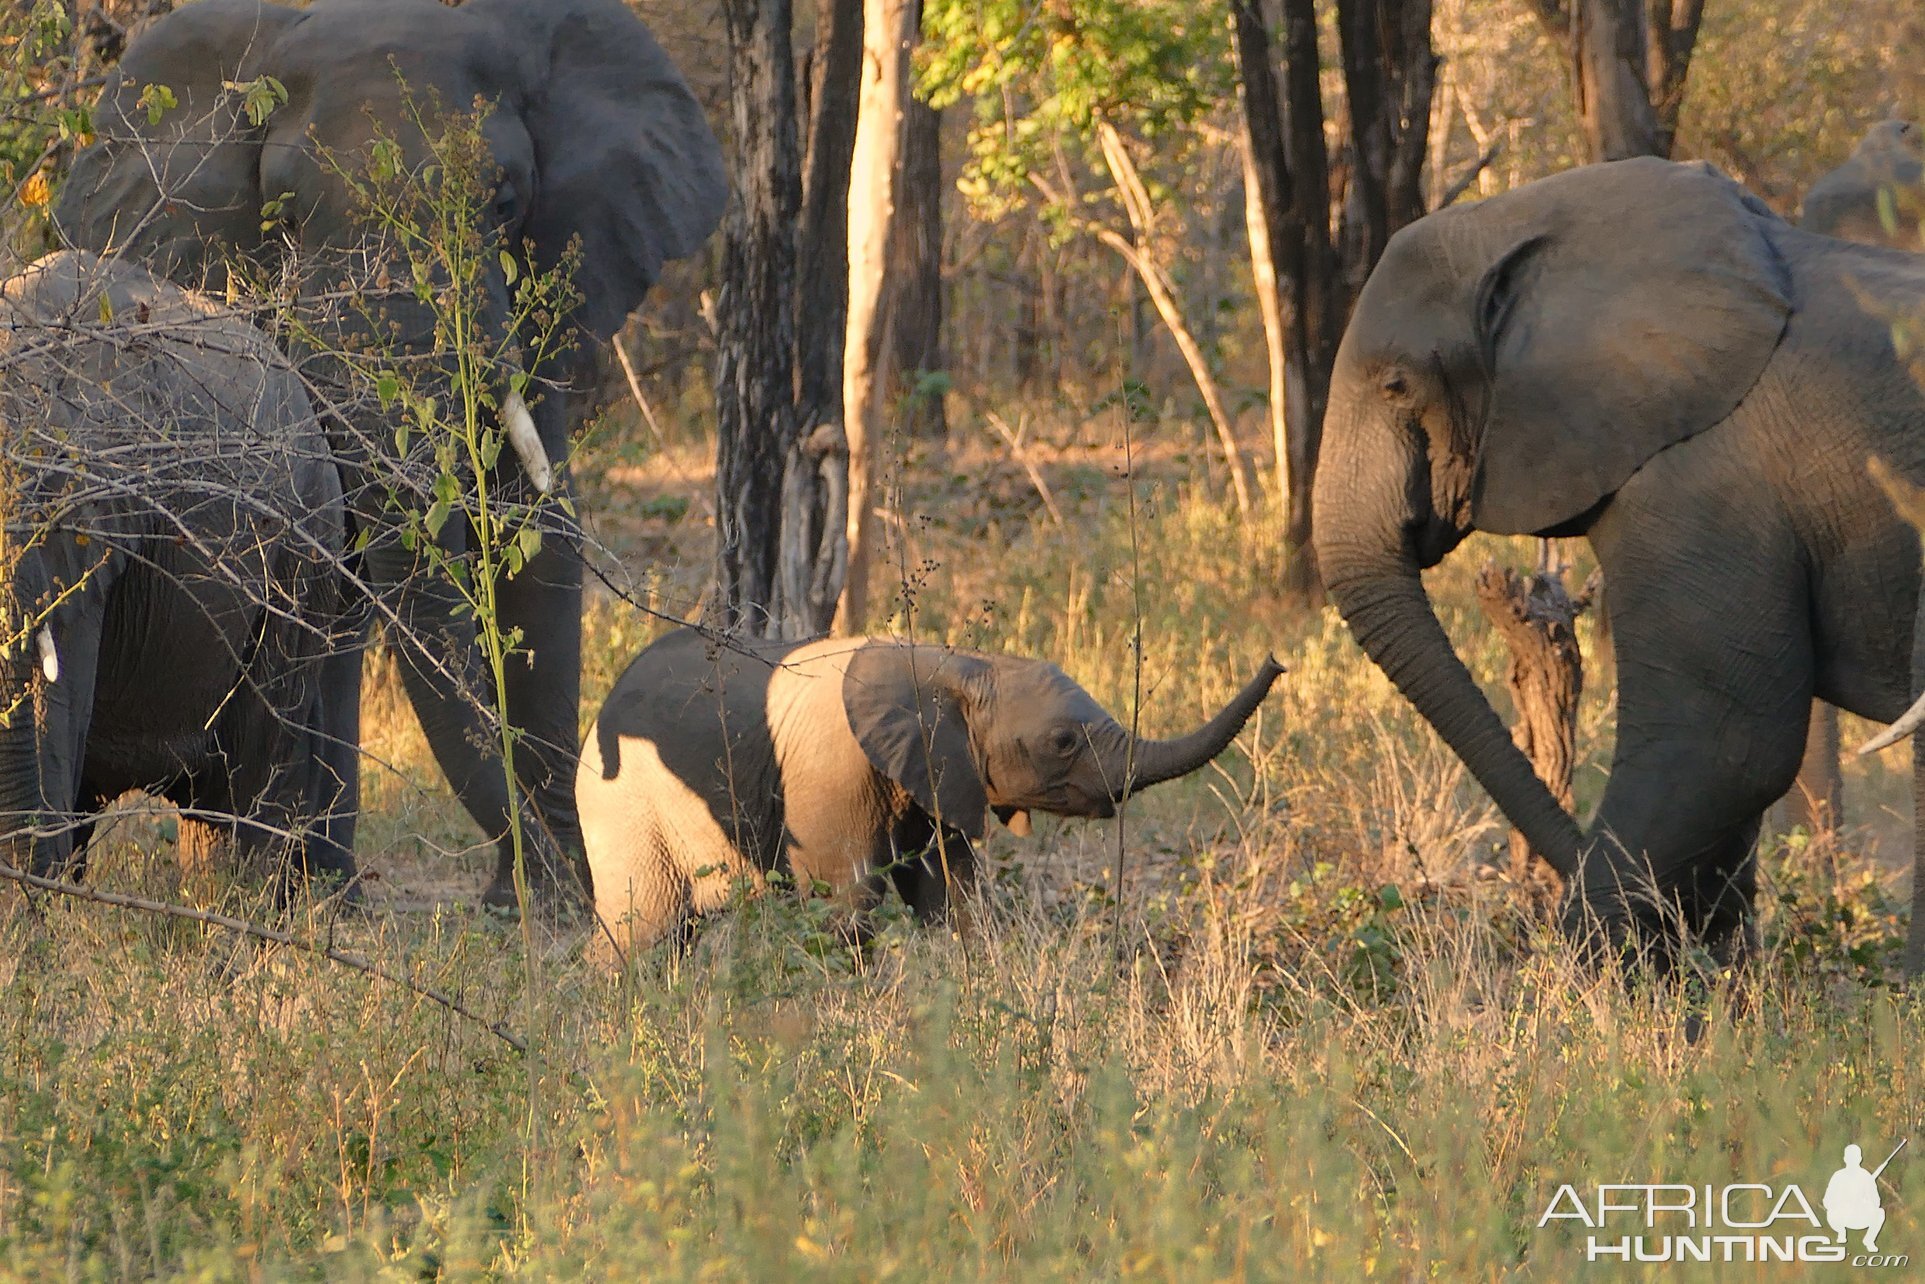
79	891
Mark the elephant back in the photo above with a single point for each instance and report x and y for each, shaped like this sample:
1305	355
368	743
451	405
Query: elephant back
122	392
700	701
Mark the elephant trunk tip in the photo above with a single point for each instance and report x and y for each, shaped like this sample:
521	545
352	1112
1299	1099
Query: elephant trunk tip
1159	760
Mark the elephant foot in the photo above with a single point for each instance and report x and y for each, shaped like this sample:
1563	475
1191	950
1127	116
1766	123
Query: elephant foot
556	894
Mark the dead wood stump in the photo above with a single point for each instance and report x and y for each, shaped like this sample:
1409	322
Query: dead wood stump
1537	618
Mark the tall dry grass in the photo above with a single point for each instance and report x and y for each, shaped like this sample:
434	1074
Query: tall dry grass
1324	1046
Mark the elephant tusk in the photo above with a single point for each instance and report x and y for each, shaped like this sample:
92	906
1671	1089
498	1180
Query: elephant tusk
1908	722
49	657
526	441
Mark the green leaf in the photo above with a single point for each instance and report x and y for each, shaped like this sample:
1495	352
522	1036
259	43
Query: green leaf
106	310
387	387
528	539
509	268
157	99
436	517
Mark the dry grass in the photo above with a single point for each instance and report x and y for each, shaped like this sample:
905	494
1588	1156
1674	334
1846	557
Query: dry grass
1323	1047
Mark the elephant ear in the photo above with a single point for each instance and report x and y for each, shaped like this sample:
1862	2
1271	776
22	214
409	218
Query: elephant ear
907	706
626	159
1634	306
176	187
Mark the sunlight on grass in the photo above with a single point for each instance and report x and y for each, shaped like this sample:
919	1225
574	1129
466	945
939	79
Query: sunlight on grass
1324	1046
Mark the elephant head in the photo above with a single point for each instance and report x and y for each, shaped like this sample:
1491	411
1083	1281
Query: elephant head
1886	167
596	148
965	734
1509	365
594	139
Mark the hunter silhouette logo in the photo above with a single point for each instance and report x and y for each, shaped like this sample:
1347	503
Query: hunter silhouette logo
1737	1222
1851	1198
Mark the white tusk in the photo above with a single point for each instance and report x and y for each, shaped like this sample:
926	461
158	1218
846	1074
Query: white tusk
526	441
49	658
1907	723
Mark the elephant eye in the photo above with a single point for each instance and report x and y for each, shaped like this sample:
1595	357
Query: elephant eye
507	206
1394	385
1062	740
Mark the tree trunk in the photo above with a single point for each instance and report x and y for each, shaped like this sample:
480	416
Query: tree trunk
755	345
914	300
815	487
1537	619
1293	179
1162	292
1628	61
886	39
1263	270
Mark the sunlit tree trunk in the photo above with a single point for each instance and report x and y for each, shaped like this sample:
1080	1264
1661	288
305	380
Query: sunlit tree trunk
1628	61
888	32
1264	270
814	552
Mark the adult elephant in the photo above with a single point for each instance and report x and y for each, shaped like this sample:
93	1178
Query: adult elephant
174	534
1885	168
1643	354
597	144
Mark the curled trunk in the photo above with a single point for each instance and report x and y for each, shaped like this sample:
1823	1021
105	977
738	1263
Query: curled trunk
1156	761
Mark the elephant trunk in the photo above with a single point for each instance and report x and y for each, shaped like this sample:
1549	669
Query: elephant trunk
1393	621
1155	761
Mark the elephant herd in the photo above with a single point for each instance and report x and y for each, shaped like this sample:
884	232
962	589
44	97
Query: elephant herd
202	532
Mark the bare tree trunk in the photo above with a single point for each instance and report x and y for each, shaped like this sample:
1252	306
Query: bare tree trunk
1293	178
914	301
755	357
886	39
1141	258
1628	60
814	551
1537	619
1264	271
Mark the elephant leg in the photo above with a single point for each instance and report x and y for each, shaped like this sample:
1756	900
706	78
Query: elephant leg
446	683
929	874
52	729
334	750
1715	678
544	701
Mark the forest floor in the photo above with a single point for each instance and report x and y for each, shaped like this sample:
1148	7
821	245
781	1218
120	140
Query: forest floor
1318	1034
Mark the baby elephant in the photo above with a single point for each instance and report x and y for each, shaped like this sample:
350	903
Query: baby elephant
839	760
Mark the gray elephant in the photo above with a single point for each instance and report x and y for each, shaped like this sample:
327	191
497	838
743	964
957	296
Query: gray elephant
174	523
599	146
1643	354
1885	166
843	762
1889	160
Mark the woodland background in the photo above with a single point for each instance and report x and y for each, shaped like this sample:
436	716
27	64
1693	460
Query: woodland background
1293	1018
